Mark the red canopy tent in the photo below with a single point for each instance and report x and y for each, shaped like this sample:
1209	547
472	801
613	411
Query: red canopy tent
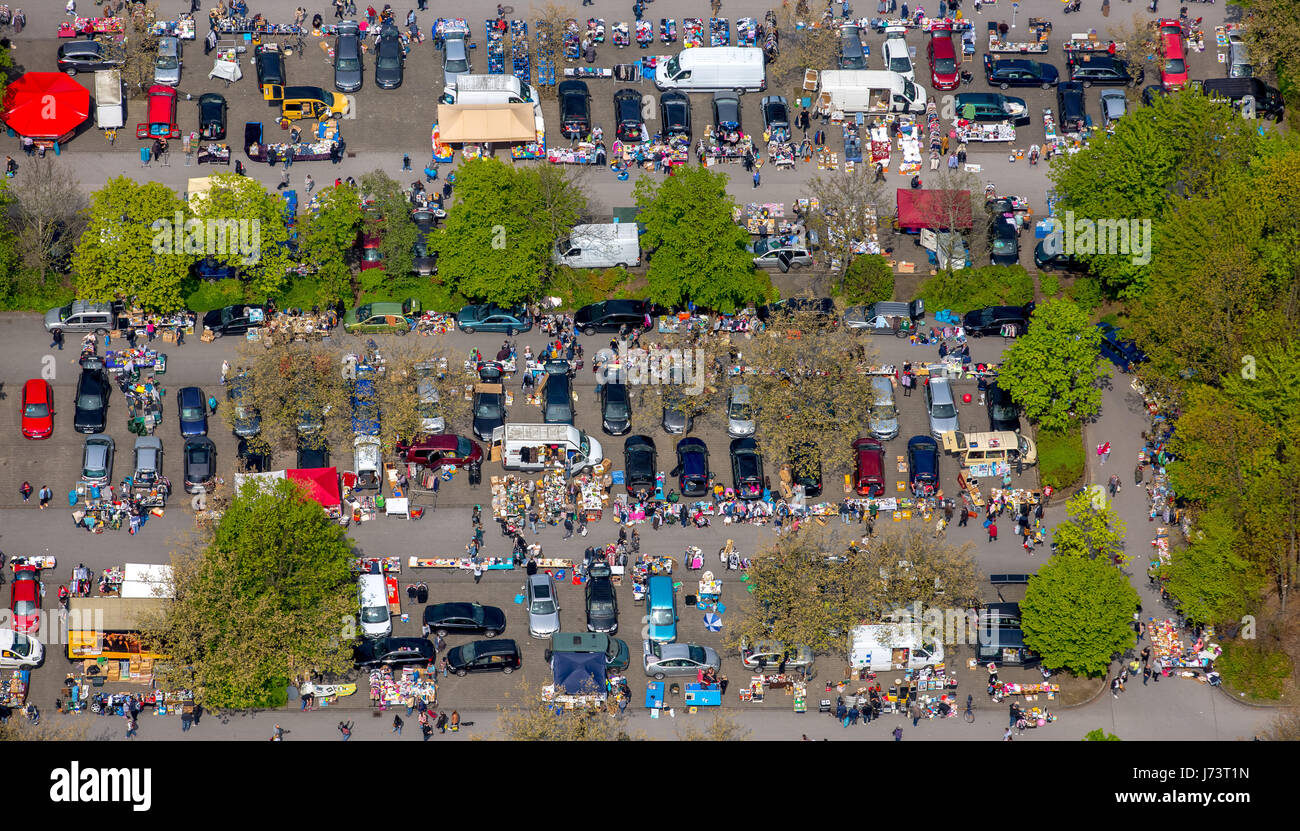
47	106
322	484
936	209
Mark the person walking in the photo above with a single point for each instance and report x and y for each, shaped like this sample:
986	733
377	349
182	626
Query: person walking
898	734
757	177
1103	450
345	730
442	723
398	724
26	491
993	532
478	572
444	666
915	712
568	527
225	371
1007	735
57	339
45	495
426	731
277	733
309	183
1137	471
132	727
1146	675
1114	687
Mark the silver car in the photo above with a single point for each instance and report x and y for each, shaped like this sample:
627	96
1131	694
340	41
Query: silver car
1113	105
430	409
942	407
167	67
97	460
148	461
543	606
663	659
740	414
347	58
455	59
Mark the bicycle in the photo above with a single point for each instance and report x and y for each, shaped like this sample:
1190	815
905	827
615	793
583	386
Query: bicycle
969	715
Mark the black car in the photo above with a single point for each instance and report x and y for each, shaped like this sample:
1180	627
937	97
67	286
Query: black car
465	619
1069	101
200	465
254	457
85	56
611	315
270	66
627	115
1019	72
747	469
393	652
726	111
1106	70
389	60
602	602
675	420
1004	234
675	113
776	114
489	411
640	463
1123	353
1048	259
692	469
212	116
1003	412
484	656
575	109
806	468
234	320
312	456
822	307
990	320
557	395
615	409
92	401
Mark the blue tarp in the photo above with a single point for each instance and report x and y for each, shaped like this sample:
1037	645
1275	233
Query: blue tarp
579	673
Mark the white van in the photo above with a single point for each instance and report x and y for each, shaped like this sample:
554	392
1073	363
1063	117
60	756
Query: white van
366	462
600	246
887	647
871	91
376	622
988	448
898	56
714	69
545	447
490	89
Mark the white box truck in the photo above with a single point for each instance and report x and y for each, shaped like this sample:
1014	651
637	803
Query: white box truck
886	647
490	89
714	69
870	91
110	113
545	447
600	246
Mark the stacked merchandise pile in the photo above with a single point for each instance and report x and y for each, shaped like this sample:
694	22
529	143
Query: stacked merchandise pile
521	63
496	45
935	130
572	40
746	31
910	143
719	32
545	54
692	32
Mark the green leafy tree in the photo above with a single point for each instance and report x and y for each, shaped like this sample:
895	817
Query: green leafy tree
1211	578
130	246
389	218
269	597
699	251
869	278
329	240
975	288
1077	612
1274	38
248	230
1052	370
1093	530
1100	735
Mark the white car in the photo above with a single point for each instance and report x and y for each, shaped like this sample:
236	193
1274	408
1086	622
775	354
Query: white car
898	56
167	67
19	651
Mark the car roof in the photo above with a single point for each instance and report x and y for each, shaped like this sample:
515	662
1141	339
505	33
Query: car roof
922	442
639	442
745	445
691	443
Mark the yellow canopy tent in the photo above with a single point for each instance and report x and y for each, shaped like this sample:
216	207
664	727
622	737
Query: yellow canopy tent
486	123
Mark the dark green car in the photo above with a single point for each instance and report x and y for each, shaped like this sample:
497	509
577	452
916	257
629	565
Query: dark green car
489	317
381	318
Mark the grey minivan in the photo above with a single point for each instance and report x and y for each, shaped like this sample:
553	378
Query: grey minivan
347	57
455	59
852	55
1239	65
883	416
543	606
81	316
942	407
740	414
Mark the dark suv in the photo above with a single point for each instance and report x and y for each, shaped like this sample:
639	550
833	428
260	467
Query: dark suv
91	402
990	320
575	109
1018	72
615	409
484	656
1069	97
611	315
1003	412
627	114
602	603
1106	70
84	56
393	652
557	395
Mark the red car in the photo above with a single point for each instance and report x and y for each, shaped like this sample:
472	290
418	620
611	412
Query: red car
870	467
943	59
1173	52
447	450
162	115
38	409
25	601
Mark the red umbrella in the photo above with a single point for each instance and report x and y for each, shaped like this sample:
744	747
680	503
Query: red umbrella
45	105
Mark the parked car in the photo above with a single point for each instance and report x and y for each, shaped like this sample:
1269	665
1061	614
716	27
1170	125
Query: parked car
773	252
640	463
455	59
869	467
489	412
464	619
692	469
97	460
1019	72
1003	412
776	113
269	63
615	409
91	403
575	109
661	660
991	319
557	395
148	458
611	315
348	67
212	116
941	404
36	409
942	54
747	469
1123	353
485	656
234	320
1071	108
991	106
740	412
615	650
1106	70
852	55
821	308
627	115
247	420
898	56
25	599
200	465
601	599
543	606
253	457
675	113
381	318
312	454
675	421
1173	54
1114	103
489	317
1046	259
922	463
806	468
726	111
766	654
447	450
393	652
17	651
192	411
1004	234
85	56
390	60
426	391
167	66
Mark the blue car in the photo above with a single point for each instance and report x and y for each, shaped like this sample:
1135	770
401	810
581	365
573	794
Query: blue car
1124	354
692	467
923	464
489	317
192	409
